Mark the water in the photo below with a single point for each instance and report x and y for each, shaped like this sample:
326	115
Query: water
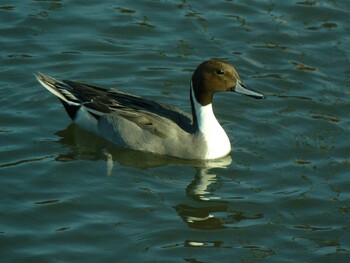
281	196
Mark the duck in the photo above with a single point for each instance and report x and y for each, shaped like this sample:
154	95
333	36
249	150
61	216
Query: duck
145	125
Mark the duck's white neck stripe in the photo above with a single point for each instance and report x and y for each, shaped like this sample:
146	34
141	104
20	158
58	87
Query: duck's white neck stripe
205	115
218	143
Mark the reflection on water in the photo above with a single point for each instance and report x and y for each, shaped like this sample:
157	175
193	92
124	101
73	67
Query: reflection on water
200	214
204	208
201	188
207	210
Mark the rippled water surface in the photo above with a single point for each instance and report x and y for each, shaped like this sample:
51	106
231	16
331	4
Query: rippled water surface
281	196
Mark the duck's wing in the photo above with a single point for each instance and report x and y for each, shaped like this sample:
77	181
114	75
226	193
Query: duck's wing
100	102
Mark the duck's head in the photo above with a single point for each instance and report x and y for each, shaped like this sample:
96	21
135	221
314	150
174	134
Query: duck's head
216	76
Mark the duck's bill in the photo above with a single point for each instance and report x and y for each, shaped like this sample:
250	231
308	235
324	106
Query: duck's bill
242	89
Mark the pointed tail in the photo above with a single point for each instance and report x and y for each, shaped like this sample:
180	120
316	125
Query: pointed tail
59	89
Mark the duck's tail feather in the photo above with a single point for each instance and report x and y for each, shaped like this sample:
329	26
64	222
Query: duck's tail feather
63	91
59	89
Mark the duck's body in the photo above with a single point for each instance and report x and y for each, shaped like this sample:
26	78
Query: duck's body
146	125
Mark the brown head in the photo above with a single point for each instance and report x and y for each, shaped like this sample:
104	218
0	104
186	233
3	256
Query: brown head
216	76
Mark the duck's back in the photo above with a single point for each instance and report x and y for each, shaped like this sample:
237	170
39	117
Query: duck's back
128	120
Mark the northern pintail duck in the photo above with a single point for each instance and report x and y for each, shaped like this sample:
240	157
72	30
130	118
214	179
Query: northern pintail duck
146	125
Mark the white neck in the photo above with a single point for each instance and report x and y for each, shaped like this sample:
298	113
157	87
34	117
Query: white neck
218	144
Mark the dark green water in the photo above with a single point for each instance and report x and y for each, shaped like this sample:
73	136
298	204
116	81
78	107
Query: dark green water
281	196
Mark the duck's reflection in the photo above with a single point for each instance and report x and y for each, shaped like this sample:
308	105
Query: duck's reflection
202	187
204	208
200	213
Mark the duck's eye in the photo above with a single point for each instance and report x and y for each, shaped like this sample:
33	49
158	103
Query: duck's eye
220	72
